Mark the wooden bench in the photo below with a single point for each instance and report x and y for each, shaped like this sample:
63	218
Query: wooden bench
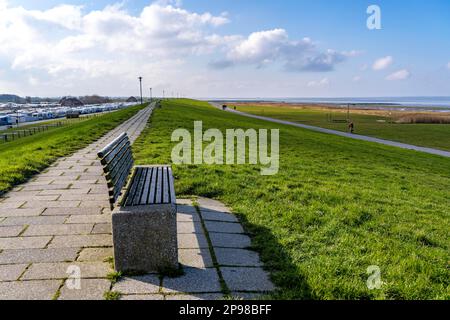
143	201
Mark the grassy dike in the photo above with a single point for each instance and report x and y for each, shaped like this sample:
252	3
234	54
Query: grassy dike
424	135
336	207
22	158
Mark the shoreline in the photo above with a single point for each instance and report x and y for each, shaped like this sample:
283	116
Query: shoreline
386	107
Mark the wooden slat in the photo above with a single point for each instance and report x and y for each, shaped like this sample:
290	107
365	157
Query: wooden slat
151	197
140	187
123	169
173	199
102	153
165	190
117	188
119	147
119	183
127	191
133	187
159	186
119	165
145	193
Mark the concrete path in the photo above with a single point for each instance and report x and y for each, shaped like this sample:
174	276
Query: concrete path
342	134
215	257
61	219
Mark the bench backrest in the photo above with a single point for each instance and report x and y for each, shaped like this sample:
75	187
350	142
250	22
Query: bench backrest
117	161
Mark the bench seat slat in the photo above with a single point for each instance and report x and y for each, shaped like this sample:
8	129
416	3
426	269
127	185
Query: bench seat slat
140	187
171	187
159	186
152	195
145	193
133	187
165	189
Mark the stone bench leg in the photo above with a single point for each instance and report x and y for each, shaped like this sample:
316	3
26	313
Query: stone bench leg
145	238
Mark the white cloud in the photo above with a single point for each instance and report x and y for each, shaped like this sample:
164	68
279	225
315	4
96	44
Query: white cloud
103	42
382	63
448	65
399	75
70	50
356	79
317	84
270	46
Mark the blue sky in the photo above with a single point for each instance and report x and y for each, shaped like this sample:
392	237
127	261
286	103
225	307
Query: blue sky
218	48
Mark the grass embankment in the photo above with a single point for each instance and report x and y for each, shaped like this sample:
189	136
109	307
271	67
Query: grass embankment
336	207
425	135
22	158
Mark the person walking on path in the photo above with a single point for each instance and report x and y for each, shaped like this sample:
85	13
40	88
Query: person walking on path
351	127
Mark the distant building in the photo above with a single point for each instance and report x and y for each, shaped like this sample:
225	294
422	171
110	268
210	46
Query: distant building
70	102
132	99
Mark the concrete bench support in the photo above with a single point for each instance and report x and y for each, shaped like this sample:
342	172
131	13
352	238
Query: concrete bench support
145	238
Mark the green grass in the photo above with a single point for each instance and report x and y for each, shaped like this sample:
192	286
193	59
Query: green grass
336	207
22	158
425	135
112	295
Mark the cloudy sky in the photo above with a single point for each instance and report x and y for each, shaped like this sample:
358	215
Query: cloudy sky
223	48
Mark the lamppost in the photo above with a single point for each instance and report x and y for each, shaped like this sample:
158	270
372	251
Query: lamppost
151	96
140	85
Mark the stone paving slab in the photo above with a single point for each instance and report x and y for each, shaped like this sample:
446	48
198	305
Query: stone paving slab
84	190
142	297
71	211
246	279
192	241
91	289
189	227
210	204
39	220
16	204
224	227
51	204
12	231
237	257
37	197
95	254
198	296
138	285
58	229
193	281
29	290
95	218
44	271
246	295
229	240
11	272
195	258
38	255
218	216
24	242
102	228
71	241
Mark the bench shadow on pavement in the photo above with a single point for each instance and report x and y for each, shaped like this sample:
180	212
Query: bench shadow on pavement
285	275
201	283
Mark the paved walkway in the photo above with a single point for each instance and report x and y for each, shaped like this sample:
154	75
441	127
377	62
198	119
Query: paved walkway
342	134
213	249
61	218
